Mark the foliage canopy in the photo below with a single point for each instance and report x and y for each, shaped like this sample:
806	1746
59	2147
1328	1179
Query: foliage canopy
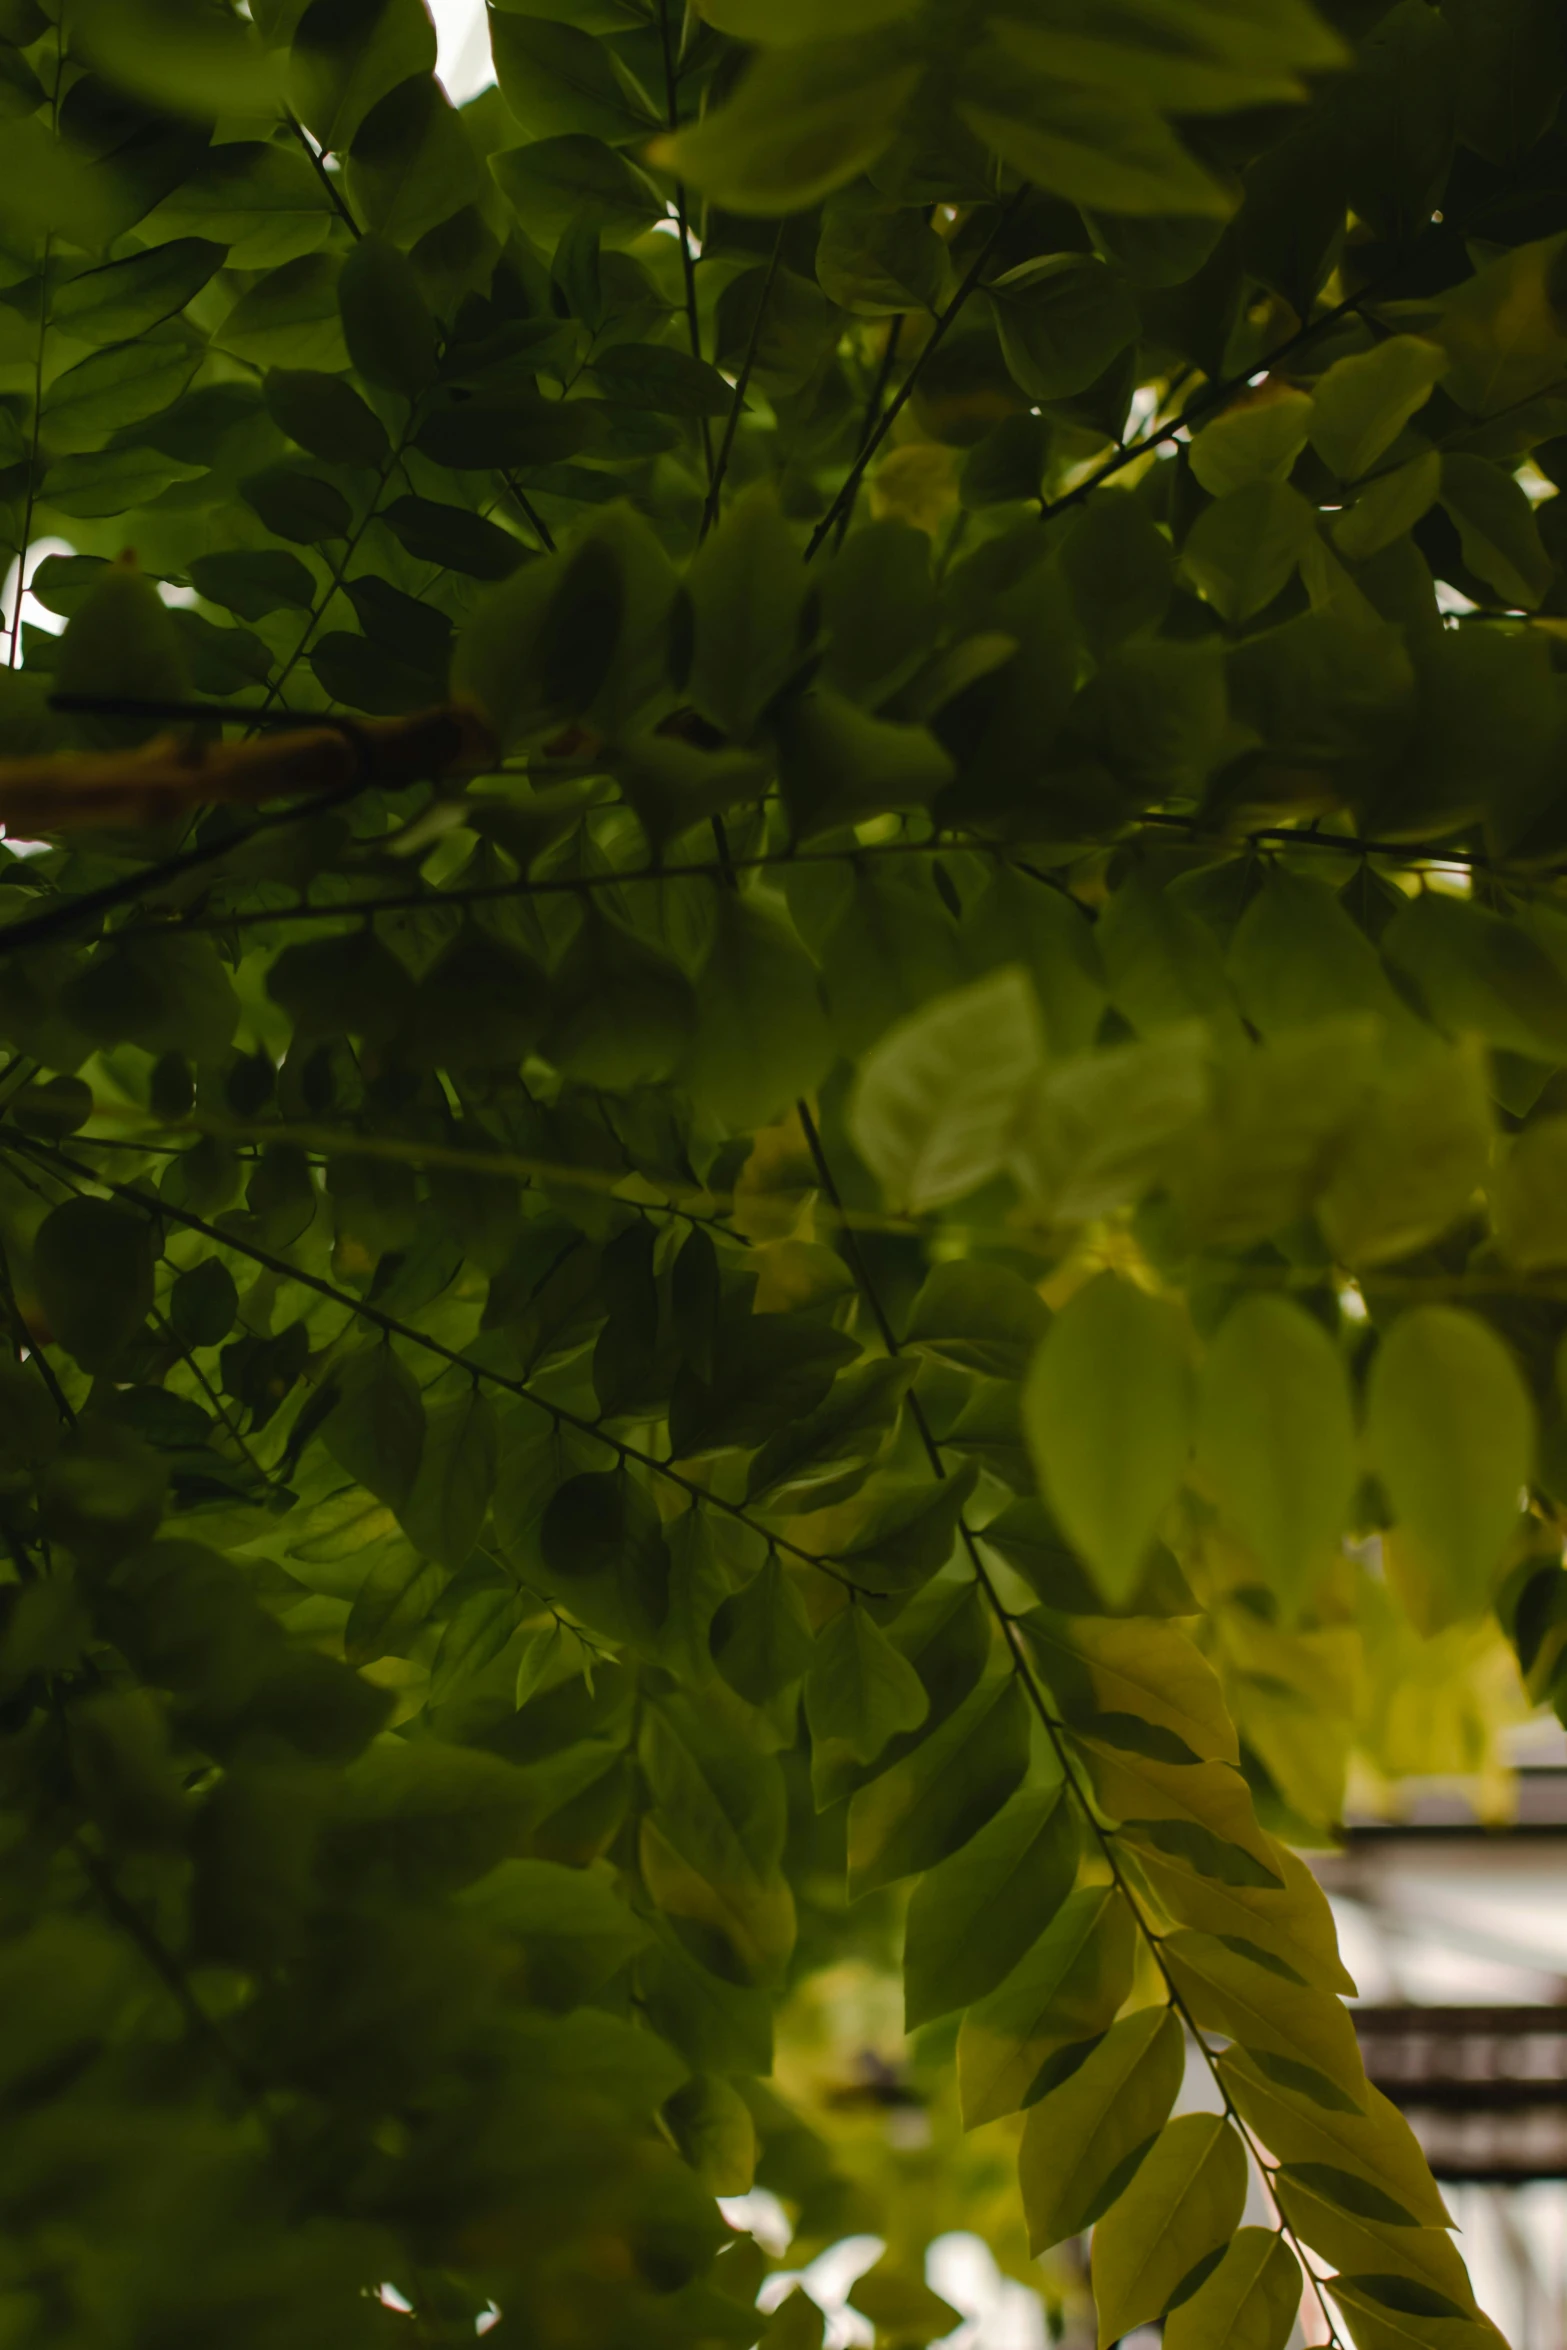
842	1236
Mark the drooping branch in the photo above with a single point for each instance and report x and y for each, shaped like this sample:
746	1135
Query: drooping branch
175	774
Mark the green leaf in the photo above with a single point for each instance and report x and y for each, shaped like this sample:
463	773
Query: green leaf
747	589
454	538
981	1316
392	1604
387	323
1412	1161
1502	330
558	81
1061	321
93	1266
827	1455
1451	1434
449	1496
906	1534
836	763
1256	441
761	1035
289	318
762	1641
1276	1438
203	1303
930	1804
1303	2117
602	1528
1184	2203
297	505
1132	1675
976	1915
1085	2139
802	124
938	1102
350	985
1363	402
1249	2302
622	1013
325	416
1244	550
1529	1196
860	1691
1496	527
179	55
1014	2045
1388	506
375	1430
1096	147
124	298
712	2127
1108	1408
551	182
253	581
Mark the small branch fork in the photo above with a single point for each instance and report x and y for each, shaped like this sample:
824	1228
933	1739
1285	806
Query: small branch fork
1053	1729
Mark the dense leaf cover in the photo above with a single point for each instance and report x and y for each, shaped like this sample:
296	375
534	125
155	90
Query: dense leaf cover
857	1297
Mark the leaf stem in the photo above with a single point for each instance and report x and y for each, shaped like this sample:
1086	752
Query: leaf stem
895	406
1053	1729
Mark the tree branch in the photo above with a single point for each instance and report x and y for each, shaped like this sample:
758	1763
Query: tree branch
362	1309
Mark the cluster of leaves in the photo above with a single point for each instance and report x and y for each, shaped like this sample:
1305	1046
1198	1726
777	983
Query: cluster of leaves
830	1313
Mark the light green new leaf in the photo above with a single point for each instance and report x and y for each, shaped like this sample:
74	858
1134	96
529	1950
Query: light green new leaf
1128	1673
1061	1993
1450	1427
1250	2302
1108	1409
939	1101
1276	1438
973	1918
1185	2201
1084	2140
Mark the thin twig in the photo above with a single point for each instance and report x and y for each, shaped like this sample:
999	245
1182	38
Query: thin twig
895	406
873	406
742	386
364	1310
683	220
317	157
